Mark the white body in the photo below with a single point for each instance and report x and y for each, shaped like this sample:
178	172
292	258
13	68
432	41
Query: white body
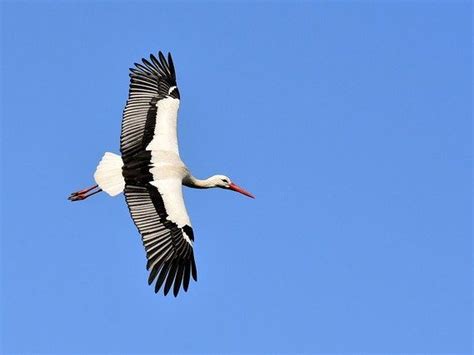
167	169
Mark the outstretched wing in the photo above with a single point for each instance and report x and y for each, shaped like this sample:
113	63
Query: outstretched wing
156	205
151	84
169	247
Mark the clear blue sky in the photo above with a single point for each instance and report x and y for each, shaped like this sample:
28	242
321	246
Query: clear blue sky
350	122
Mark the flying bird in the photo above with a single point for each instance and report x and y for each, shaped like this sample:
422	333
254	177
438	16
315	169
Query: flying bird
151	174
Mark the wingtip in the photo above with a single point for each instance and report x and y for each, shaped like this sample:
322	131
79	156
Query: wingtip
171	65
162	57
165	292
150	281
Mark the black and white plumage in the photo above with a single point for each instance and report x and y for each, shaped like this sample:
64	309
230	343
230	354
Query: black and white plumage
169	248
150	173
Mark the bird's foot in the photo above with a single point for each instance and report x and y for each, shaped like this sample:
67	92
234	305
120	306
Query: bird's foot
77	197
83	194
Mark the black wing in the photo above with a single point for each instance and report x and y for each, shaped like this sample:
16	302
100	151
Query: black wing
168	248
149	83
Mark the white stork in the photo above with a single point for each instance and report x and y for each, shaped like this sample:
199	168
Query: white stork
150	173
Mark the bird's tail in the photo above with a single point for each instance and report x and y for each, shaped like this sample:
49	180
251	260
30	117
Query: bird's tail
108	174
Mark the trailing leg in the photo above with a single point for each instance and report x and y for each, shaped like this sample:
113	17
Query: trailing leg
83	194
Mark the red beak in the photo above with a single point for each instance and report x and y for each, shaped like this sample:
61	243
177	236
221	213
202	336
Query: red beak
234	187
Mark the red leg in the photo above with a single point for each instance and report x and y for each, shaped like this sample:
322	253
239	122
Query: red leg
84	191
82	194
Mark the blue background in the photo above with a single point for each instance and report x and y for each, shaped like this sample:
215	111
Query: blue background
350	122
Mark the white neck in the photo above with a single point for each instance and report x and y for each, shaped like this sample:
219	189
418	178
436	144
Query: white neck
191	181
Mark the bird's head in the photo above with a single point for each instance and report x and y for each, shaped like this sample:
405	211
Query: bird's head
224	182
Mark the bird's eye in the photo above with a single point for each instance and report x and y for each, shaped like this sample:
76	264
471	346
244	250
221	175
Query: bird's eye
225	180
